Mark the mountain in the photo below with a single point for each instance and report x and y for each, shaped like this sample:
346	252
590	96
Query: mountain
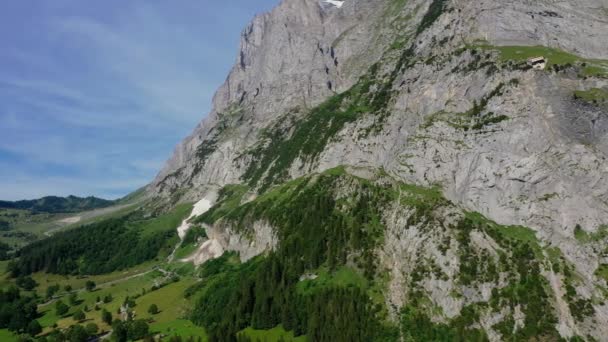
54	204
374	170
442	95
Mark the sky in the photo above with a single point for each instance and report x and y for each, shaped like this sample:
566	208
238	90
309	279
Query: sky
95	95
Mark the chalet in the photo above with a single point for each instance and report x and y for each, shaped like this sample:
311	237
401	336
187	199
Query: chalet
538	63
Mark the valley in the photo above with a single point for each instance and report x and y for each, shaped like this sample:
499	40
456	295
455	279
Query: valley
381	170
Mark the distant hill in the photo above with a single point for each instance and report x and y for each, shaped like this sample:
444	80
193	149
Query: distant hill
54	204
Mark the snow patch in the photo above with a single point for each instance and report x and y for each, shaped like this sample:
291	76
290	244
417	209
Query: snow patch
200	208
336	3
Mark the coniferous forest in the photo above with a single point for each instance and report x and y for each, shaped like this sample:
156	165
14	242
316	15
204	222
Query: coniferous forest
102	247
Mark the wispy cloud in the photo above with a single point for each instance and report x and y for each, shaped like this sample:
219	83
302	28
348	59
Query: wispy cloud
94	96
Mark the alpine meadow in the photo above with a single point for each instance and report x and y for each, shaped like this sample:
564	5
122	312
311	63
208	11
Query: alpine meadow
370	170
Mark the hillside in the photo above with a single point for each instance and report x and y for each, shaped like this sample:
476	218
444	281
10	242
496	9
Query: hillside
54	204
371	170
439	94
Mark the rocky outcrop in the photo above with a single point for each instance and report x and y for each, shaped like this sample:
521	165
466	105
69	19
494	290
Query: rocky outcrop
293	57
222	238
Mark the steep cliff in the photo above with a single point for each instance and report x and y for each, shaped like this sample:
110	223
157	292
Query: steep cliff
439	94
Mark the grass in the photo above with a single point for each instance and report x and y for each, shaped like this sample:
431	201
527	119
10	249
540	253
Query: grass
182	268
185	250
34	225
343	276
594	95
346	276
586	237
179	327
517	233
28	226
169	299
170	220
172	306
598	69
520	233
273	335
5	279
554	254
278	150
522	53
229	198
7	336
414	195
45	280
590	67
119	291
106	215
602	272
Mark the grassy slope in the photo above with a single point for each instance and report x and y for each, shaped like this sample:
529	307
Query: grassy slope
344	276
272	335
119	292
45	280
7	336
185	251
168	221
131	282
169	299
39	224
592	67
594	95
173	307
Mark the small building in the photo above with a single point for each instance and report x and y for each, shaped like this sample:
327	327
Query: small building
538	63
336	3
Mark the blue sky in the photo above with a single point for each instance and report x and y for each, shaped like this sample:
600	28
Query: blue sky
94	95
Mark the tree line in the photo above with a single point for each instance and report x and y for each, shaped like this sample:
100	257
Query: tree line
314	230
98	248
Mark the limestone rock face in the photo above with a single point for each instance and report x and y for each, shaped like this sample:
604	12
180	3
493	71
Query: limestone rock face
464	113
293	57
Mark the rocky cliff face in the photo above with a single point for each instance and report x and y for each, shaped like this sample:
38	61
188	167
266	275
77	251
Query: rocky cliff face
434	93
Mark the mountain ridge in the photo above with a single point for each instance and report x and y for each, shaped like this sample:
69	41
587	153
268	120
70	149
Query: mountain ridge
383	170
435	93
56	204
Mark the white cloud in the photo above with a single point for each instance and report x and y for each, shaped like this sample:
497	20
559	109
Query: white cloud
147	55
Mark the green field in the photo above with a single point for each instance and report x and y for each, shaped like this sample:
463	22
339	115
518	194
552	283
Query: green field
27	226
343	276
119	291
185	250
7	336
170	220
273	335
136	283
179	327
594	95
602	271
590	67
169	299
45	280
